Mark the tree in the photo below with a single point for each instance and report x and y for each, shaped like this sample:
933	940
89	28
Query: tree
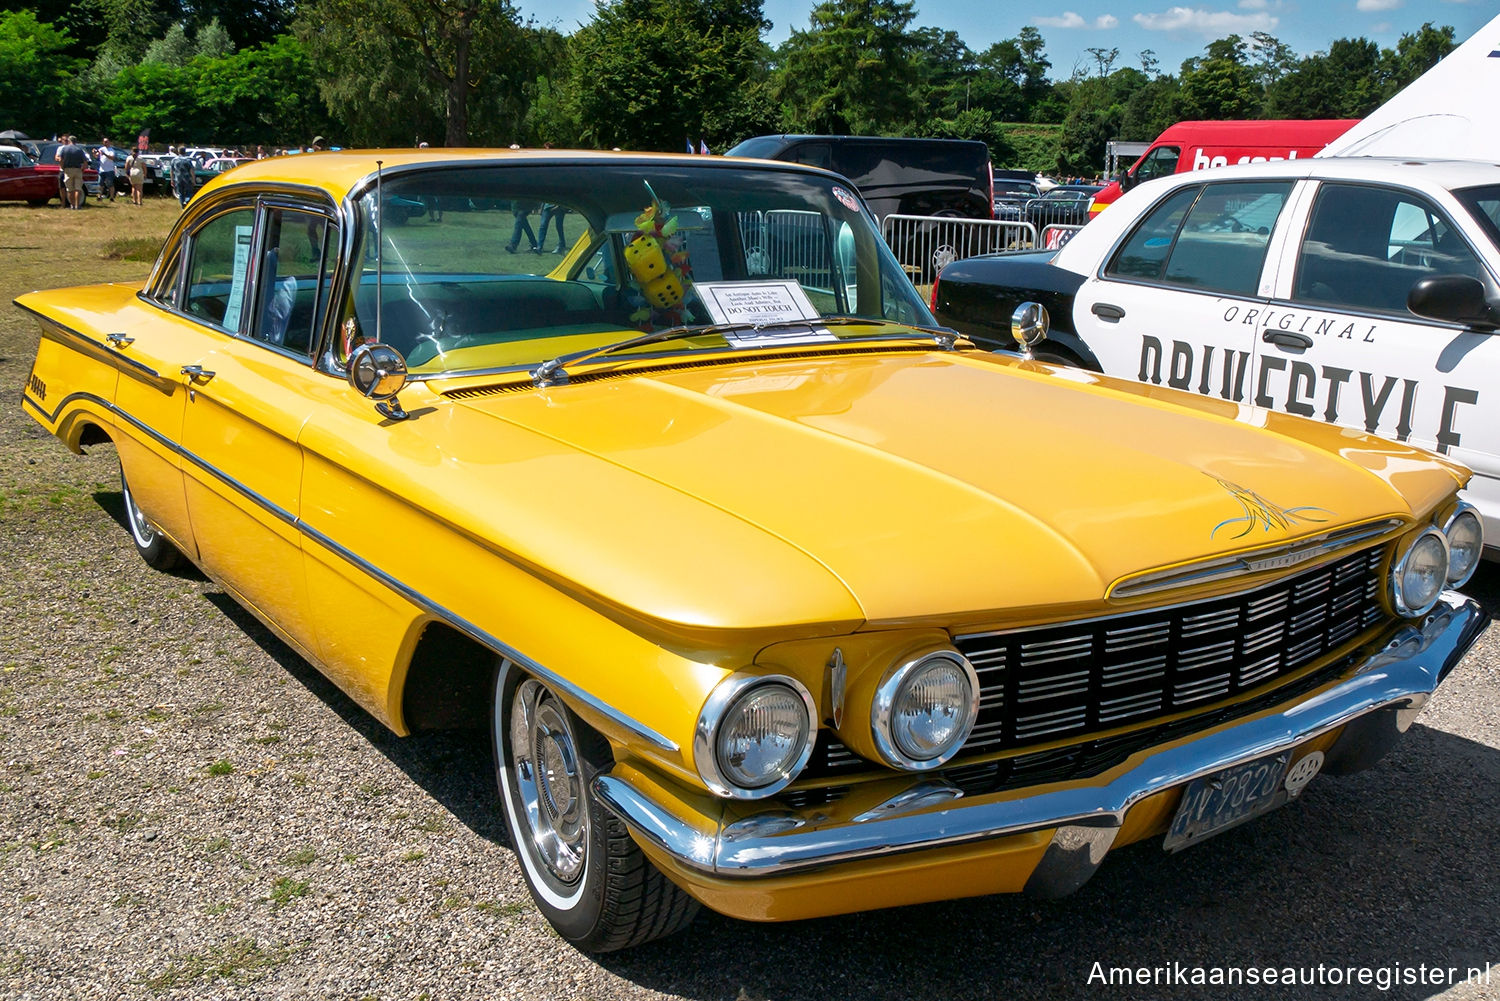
388	62
36	74
1414	55
656	74
1220	85
854	70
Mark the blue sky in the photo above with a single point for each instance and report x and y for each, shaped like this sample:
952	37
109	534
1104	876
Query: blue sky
1174	30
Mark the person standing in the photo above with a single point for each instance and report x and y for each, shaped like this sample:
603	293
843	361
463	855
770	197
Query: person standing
519	210
184	176
72	158
107	170
552	212
135	173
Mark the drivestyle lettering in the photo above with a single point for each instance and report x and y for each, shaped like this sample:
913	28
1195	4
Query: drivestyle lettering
1302	388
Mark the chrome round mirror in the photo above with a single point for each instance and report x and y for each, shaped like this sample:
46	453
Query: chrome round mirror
377	371
1029	324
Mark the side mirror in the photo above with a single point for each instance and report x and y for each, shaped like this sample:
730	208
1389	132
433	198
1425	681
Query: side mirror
1126	180
1453	299
378	372
1029	325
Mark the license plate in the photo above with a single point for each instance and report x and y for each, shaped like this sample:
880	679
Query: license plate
1215	803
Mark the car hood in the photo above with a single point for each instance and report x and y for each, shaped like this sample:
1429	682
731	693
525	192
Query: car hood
898	488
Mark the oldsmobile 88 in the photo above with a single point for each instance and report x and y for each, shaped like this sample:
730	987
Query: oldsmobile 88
774	595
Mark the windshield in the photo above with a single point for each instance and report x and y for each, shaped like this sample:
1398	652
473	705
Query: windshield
498	267
1484	205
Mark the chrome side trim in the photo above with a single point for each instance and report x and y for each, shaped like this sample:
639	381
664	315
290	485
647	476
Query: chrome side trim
1400	673
51	328
1253	561
464	626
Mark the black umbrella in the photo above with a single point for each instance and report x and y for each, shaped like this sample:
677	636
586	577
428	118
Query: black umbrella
13	135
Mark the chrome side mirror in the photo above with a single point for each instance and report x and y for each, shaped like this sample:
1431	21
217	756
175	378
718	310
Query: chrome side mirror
378	372
1029	325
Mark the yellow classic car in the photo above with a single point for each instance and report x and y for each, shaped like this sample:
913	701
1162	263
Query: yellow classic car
774	595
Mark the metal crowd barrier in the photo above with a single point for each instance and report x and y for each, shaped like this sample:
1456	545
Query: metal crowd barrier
925	244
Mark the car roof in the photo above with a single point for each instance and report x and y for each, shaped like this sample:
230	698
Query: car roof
1082	252
338	172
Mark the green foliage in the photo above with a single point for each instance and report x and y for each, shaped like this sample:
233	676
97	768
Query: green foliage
655	74
855	70
36	74
395	71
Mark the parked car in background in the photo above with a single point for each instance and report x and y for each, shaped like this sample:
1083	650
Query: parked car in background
923	177
774	595
1064	205
1360	291
23	179
220	164
1189	146
1012	193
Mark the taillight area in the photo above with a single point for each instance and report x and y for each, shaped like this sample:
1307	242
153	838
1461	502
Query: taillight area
932	303
991	167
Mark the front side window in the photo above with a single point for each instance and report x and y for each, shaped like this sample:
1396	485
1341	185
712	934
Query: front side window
525	263
219	268
292	278
1158	162
1366	246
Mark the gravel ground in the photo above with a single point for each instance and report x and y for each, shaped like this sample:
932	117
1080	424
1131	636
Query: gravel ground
189	810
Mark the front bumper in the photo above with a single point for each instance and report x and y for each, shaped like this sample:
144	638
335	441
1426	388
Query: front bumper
1376	699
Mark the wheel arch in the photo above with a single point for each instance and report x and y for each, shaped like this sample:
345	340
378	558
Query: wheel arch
447	683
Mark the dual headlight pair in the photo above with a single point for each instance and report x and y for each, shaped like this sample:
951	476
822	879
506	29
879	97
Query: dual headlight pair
755	734
1443	556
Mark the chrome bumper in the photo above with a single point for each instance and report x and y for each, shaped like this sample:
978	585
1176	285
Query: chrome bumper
1382	695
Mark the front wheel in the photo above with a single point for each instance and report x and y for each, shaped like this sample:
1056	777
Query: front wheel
149	542
588	878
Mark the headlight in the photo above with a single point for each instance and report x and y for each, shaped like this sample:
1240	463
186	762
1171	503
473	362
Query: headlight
754	735
1419	575
1465	532
924	709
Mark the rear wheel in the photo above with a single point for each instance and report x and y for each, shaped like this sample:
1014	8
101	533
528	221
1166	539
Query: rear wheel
149	542
588	878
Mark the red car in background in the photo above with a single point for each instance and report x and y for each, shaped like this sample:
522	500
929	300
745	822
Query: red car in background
23	179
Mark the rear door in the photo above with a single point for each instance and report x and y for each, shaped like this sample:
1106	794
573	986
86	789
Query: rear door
1180	300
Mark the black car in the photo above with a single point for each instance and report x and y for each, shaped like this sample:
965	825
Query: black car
1064	205
896	176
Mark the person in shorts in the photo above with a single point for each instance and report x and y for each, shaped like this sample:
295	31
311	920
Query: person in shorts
135	172
72	158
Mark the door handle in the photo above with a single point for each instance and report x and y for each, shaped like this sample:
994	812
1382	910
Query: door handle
1107	311
119	340
1287	339
197	372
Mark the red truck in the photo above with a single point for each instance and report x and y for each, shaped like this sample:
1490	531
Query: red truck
1200	145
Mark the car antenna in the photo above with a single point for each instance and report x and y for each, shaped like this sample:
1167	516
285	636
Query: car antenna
379	253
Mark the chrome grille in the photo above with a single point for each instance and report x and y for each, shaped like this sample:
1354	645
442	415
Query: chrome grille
1075	679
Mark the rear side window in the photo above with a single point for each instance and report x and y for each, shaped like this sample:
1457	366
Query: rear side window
218	266
1366	246
1144	254
1218	243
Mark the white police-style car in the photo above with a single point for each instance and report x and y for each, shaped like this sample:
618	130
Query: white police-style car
1361	291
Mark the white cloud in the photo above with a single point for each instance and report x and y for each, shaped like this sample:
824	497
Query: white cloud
1373	5
1211	23
1072	19
1252	4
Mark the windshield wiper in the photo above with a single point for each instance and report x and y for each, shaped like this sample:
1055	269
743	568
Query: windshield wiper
554	371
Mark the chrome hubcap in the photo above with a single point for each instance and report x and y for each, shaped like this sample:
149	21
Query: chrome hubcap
143	530
549	780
